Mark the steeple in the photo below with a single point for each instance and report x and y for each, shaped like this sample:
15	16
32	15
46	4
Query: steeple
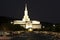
26	11
26	17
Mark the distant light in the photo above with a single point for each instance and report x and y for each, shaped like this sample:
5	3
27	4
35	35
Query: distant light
11	22
18	32
43	26
54	25
30	29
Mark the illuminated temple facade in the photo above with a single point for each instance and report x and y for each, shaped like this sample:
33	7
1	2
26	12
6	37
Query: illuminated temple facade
26	22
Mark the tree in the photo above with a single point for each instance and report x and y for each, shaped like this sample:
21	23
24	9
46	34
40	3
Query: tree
57	29
18	27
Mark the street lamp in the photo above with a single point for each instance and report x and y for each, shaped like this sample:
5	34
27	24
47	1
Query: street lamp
54	27
11	22
43	28
30	29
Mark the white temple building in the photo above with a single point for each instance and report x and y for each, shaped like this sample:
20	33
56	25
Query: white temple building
26	22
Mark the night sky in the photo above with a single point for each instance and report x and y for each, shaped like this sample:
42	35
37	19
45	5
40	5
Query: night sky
42	10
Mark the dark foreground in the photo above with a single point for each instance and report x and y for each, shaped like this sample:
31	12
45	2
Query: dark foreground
32	36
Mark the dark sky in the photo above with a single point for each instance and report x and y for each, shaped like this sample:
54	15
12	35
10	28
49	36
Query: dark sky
42	10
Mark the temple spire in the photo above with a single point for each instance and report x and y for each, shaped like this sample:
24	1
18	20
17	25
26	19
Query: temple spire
26	11
26	17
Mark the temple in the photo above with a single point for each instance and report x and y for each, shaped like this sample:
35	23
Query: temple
26	22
